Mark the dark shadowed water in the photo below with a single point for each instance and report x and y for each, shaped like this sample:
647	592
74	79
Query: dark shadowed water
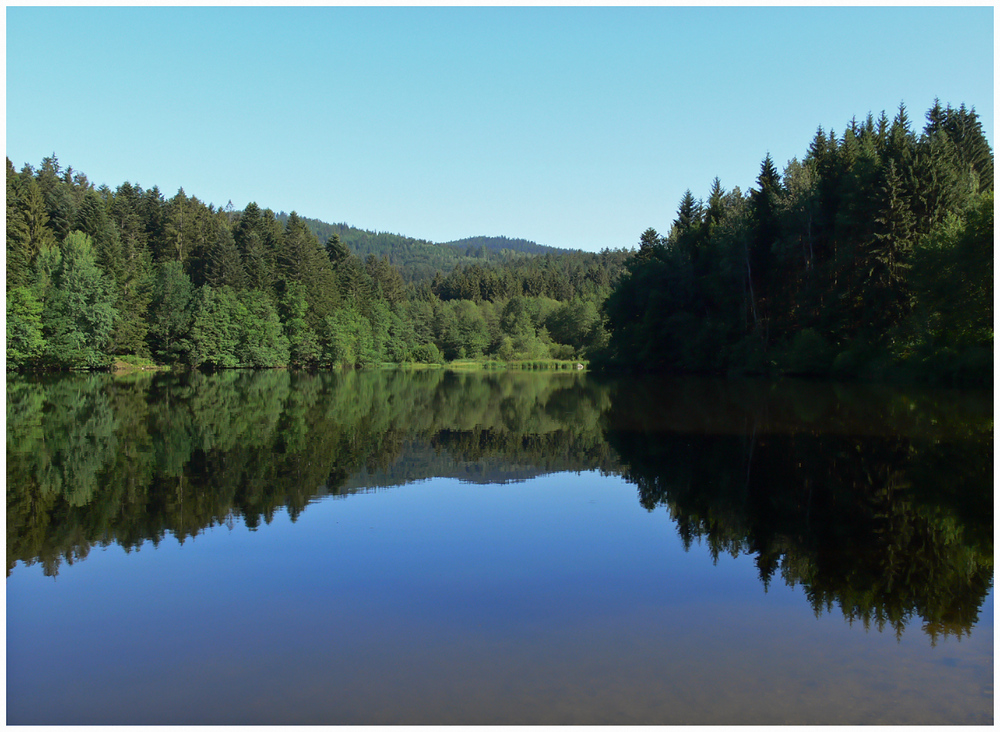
439	548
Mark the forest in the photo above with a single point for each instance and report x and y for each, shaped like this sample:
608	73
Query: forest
97	277
872	258
419	259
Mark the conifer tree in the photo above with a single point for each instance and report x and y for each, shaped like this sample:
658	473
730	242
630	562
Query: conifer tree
18	236
224	265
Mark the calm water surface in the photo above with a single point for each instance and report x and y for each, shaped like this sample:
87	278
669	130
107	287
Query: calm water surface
434	548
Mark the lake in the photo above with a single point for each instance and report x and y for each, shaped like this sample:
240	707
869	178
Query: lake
430	547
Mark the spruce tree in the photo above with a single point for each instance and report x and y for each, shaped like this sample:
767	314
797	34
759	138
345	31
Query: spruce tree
18	235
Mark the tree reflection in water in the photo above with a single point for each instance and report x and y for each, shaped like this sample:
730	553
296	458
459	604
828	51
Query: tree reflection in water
875	500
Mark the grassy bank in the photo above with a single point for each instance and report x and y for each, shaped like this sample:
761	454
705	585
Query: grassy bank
542	364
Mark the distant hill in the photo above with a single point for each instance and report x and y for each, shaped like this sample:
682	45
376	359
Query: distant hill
419	259
500	243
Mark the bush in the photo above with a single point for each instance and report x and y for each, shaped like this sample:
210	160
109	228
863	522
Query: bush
427	353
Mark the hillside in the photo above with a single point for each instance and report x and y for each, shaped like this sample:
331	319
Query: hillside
419	260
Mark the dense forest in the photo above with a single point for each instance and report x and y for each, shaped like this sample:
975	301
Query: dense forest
871	257
418	259
96	276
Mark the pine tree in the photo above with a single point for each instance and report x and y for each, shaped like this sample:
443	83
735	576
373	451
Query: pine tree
59	204
18	235
35	217
716	203
92	219
336	250
302	260
648	243
884	258
760	256
224	265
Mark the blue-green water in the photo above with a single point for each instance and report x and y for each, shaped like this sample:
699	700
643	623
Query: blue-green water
433	548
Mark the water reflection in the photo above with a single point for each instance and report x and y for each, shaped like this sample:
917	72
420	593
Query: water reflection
97	459
877	501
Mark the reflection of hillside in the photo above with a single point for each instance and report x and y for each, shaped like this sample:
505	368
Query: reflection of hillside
890	527
699	405
874	500
99	459
487	456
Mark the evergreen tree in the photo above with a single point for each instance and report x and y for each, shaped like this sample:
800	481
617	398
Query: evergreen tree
648	243
336	250
216	332
224	265
18	236
715	208
262	342
301	260
59	204
79	311
35	217
172	313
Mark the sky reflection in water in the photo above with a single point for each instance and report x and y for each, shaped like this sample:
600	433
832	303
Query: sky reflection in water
559	599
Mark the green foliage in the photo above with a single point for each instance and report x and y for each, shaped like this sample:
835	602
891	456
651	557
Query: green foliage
262	340
419	260
172	313
855	260
157	255
427	353
876	502
232	330
303	344
349	339
24	327
951	331
302	260
463	330
19	250
215	332
79	313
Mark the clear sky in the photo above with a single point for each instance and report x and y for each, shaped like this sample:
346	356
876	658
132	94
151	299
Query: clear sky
573	127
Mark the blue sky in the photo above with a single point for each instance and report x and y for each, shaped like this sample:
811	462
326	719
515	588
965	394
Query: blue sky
573	127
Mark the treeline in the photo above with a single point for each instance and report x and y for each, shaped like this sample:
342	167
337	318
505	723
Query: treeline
563	276
96	275
476	245
871	256
418	259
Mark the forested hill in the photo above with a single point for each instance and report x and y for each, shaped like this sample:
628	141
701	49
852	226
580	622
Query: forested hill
97	276
499	244
419	260
869	257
